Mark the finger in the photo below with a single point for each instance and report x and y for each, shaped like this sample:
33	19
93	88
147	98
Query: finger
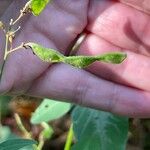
121	25
55	28
65	83
4	5
143	5
134	71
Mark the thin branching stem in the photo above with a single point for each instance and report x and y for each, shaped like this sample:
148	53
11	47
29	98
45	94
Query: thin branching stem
15	49
22	13
41	136
41	142
10	34
6	46
21	126
5	54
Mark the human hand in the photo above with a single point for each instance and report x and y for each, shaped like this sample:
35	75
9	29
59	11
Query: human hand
110	26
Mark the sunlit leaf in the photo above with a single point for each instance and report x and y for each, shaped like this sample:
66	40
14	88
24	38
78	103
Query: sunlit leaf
53	56
16	144
37	6
49	110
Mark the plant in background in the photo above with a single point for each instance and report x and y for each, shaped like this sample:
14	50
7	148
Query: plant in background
93	129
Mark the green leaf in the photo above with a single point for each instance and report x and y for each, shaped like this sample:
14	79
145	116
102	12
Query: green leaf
16	144
5	132
4	102
37	6
28	148
49	110
53	56
98	130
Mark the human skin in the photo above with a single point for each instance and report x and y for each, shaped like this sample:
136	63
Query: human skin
3	5
110	25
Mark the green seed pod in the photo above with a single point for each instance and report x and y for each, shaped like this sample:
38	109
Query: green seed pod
53	56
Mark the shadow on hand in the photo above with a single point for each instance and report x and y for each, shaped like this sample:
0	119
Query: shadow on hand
130	33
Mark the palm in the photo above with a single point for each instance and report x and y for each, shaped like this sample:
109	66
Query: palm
111	26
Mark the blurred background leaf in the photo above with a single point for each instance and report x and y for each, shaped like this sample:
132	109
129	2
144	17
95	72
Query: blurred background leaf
49	110
98	130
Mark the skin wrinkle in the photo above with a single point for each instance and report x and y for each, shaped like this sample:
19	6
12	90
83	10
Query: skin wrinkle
142	5
107	103
140	45
114	99
80	90
145	34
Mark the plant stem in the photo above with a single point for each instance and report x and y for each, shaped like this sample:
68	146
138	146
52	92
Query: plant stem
69	138
41	142
6	47
5	54
21	126
8	35
15	49
22	13
41	136
24	130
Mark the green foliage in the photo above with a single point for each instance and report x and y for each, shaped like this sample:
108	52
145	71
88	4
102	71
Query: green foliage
28	148
4	108
37	6
5	133
98	130
16	144
50	55
49	110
